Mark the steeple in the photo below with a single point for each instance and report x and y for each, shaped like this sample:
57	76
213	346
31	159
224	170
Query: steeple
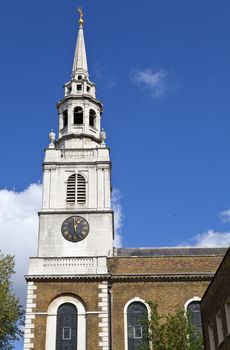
80	111
80	59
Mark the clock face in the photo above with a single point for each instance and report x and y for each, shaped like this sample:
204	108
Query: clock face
75	228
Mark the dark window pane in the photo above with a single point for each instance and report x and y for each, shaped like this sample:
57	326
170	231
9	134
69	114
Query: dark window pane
194	316
136	313
66	336
65	118
131	332
78	115
92	118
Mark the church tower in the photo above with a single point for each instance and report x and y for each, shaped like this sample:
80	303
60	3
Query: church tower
76	220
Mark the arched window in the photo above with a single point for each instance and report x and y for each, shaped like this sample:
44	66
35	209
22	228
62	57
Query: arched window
66	334
92	118
71	189
65	118
136	312
60	323
78	116
81	189
194	316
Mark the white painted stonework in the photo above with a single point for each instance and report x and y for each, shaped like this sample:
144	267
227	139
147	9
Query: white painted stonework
80	59
103	316
30	316
190	301
59	164
97	243
67	267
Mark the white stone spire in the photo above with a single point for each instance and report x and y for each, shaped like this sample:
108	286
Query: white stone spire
80	60
80	111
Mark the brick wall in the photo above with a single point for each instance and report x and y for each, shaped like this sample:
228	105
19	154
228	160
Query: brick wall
169	295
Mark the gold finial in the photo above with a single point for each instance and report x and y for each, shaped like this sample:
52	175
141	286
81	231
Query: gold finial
81	21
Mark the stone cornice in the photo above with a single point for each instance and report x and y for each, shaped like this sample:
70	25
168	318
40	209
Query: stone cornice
80	163
177	277
163	277
80	136
80	97
75	211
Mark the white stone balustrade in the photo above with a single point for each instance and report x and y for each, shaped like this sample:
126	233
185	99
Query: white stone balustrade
71	154
78	154
67	266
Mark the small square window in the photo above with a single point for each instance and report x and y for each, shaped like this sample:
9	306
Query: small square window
79	77
78	87
66	333
88	89
137	332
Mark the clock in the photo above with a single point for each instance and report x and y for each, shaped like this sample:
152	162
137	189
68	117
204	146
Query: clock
75	228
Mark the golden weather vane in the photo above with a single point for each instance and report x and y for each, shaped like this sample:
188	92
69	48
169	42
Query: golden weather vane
81	20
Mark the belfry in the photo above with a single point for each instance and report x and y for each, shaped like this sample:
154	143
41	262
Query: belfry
83	293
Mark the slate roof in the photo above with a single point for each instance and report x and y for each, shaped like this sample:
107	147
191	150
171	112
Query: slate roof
180	251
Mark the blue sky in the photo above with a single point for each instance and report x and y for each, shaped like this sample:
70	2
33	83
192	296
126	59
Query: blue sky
162	71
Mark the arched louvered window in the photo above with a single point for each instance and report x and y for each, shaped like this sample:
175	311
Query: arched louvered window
78	116
136	331
65	118
71	189
81	189
194	317
92	118
66	335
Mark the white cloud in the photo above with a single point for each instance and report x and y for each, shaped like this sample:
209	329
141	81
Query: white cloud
18	229
209	239
118	217
156	81
225	216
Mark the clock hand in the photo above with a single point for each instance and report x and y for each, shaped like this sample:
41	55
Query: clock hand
76	223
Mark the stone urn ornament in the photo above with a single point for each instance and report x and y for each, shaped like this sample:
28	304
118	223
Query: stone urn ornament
52	137
103	137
